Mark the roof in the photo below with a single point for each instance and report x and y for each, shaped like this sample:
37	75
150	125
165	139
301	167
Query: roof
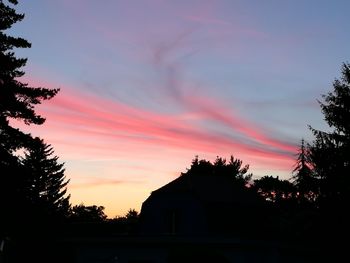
209	188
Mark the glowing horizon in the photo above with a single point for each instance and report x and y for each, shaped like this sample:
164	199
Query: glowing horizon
86	128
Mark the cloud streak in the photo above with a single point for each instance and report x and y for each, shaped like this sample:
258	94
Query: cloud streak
95	182
171	71
87	123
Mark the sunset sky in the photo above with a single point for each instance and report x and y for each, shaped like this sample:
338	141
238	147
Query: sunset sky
148	85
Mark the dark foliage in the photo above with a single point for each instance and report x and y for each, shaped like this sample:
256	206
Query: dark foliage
45	185
274	190
82	213
127	223
220	167
32	190
330	151
17	102
329	155
303	177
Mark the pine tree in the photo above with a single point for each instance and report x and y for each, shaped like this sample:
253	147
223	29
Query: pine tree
330	158
45	183
303	177
330	151
17	101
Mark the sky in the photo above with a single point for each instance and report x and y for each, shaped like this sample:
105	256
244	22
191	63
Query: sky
147	85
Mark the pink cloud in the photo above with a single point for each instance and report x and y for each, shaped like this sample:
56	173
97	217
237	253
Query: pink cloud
212	109
92	125
93	182
171	71
100	117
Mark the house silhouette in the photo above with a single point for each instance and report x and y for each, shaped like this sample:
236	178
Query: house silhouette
194	218
204	205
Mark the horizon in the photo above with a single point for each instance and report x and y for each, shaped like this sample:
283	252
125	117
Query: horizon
147	86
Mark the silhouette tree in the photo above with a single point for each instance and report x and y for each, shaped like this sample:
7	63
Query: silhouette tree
82	213
220	167
303	177
330	151
273	189
127	223
200	167
45	183
132	214
17	101
329	154
232	168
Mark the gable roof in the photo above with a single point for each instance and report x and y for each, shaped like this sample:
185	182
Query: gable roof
210	189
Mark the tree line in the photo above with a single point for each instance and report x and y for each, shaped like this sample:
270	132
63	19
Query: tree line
33	185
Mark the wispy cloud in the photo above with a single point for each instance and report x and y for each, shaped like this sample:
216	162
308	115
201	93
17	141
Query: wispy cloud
206	108
95	182
87	123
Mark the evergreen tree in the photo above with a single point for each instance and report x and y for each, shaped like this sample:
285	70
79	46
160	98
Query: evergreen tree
329	154
303	176
17	101
45	183
330	151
